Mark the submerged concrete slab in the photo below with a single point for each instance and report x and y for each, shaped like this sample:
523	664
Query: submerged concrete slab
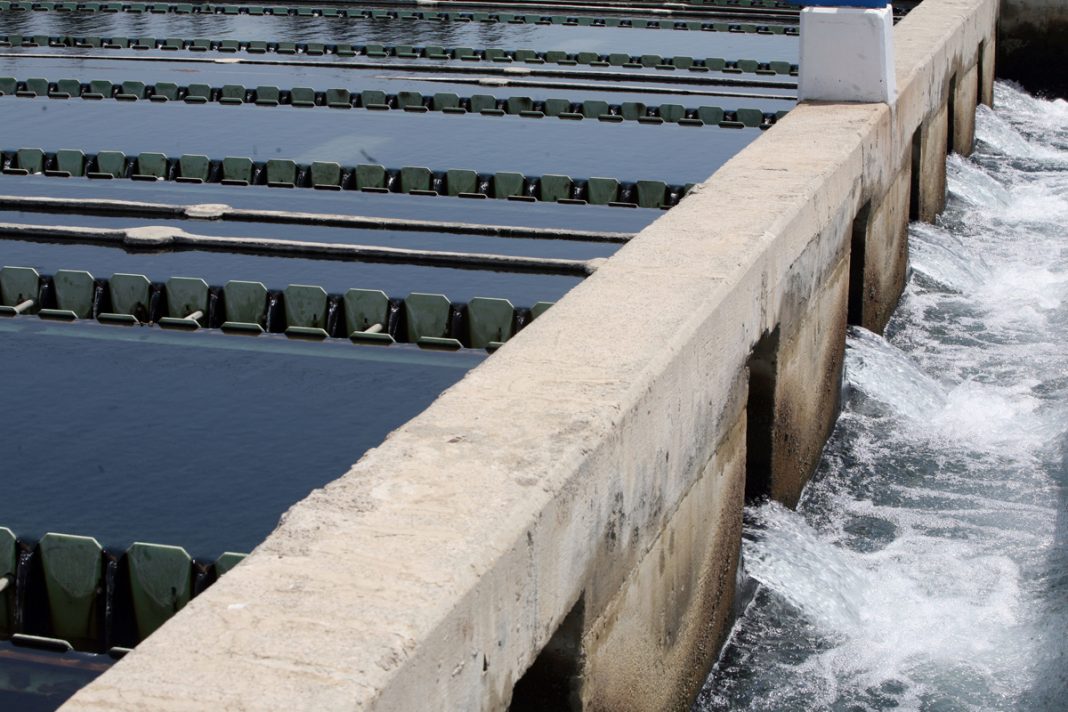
593	463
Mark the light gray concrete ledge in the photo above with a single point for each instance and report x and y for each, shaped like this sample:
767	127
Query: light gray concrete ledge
596	464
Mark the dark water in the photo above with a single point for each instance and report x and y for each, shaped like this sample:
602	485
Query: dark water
424	75
416	207
195	440
203	440
392	80
394	139
335	276
563	249
416	33
925	568
36	681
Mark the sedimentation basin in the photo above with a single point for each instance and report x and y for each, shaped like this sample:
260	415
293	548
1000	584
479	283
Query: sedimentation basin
562	526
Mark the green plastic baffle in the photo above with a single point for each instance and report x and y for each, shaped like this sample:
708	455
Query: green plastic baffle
150	166
227	561
632	110
415	179
302	96
602	191
67	88
19	285
74	296
539	308
410	101
232	94
30	160
489	322
246	307
710	114
459	181
340	98
236	170
36	86
370	177
161	580
165	91
372	99
651	193
193	168
752	118
507	185
69	162
281	173
8	564
306	310
111	164
446	100
198	94
326	175
268	95
187	303
427	316
366	316
554	188
129	300
519	104
131	91
73	575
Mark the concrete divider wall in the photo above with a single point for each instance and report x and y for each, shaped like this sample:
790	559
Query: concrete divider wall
579	494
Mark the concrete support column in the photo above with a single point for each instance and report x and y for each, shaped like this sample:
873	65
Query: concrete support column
809	369
929	165
964	103
987	62
885	251
653	645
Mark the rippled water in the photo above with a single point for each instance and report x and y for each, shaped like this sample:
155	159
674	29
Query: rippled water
420	33
926	566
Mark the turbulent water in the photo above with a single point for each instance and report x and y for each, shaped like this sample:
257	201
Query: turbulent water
927	565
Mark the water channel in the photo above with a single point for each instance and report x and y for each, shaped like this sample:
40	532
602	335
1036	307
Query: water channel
926	565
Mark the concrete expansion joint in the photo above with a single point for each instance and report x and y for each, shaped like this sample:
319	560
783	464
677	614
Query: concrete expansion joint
206	211
151	235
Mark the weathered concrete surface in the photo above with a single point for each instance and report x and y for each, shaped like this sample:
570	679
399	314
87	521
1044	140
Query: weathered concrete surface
987	59
966	97
931	167
1033	45
433	572
886	250
809	374
678	597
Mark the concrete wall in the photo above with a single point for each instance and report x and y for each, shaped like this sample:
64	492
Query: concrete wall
581	491
1033	45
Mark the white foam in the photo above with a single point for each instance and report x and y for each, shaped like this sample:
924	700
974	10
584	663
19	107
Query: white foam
910	576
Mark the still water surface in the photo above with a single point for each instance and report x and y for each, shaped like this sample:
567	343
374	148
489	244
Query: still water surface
581	149
195	440
418	33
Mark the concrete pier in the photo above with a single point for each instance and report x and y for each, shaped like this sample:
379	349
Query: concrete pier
560	530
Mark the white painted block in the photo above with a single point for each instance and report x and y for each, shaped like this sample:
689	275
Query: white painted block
847	54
